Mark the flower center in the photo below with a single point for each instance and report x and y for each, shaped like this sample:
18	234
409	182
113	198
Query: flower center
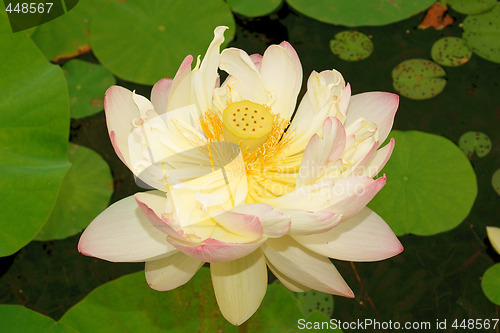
247	124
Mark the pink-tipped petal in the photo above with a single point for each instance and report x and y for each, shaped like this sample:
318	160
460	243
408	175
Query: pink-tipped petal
171	272
345	99
376	107
376	162
307	223
159	95
365	237
245	75
181	90
321	151
247	225
213	250
256	59
304	266
358	198
120	110
281	73
274	223
122	233
240	286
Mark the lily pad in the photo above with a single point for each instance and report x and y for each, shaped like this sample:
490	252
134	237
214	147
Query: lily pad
351	45
18	319
254	8
87	84
430	188
68	35
128	304
478	142
85	192
160	34
315	301
491	283
472	7
355	13
34	129
451	51
495	181
418	79
482	34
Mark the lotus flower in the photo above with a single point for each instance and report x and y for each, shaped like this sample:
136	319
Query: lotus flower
241	186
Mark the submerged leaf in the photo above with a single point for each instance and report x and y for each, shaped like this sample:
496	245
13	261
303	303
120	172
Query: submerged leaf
478	142
418	79
351	45
451	51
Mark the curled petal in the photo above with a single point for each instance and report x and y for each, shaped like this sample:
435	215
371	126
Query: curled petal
321	151
376	107
240	286
374	163
171	272
181	92
304	266
307	223
365	237
159	95
281	73
246	225
213	250
122	233
274	222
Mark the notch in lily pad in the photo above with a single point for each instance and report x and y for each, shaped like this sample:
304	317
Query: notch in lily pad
351	45
478	142
451	51
418	79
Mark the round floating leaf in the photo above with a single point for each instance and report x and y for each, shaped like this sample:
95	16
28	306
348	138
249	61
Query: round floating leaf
254	8
128	304
160	35
85	192
450	51
315	301
482	34
418	79
471	7
18	319
475	141
87	84
68	35
354	13
491	283
33	138
495	181
351	45
430	188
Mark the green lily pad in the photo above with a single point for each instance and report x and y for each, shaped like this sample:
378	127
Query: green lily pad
495	181
355	13
351	45
418	79
478	142
491	283
128	304
315	301
254	8
160	34
482	34
87	84
34	129
68	35
451	51
18	319
430	188
472	7
85	192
